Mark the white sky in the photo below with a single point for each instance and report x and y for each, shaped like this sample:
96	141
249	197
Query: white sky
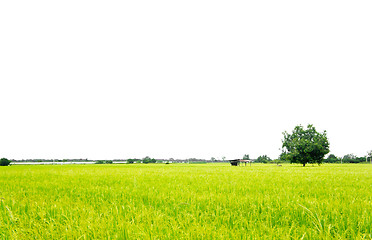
180	79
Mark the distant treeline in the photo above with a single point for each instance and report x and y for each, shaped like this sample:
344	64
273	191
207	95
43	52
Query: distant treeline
145	160
348	158
53	160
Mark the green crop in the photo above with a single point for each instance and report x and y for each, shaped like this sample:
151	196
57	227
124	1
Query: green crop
181	201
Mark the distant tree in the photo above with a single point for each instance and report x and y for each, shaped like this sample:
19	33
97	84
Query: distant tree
147	159
331	159
246	157
131	160
213	159
223	158
349	158
263	159
4	162
352	158
369	154
360	160
305	145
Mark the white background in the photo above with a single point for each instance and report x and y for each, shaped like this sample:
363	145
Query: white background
180	79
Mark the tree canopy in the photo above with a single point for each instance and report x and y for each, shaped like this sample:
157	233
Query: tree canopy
305	145
331	158
4	162
263	159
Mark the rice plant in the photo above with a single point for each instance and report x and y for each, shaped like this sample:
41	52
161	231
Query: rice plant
181	201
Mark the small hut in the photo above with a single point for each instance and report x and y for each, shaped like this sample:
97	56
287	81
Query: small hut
236	162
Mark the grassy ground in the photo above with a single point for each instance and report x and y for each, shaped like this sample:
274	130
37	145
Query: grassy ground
180	201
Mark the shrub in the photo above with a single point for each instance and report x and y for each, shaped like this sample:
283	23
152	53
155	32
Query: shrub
4	162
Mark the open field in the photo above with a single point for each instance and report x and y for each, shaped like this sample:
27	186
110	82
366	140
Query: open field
181	201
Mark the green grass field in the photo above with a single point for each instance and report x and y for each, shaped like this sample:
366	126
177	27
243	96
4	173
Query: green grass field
181	201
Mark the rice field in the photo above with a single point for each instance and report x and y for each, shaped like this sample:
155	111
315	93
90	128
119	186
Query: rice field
181	201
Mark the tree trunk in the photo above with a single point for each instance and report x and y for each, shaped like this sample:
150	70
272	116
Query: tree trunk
303	164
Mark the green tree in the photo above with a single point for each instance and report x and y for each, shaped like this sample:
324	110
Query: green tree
331	159
349	158
131	161
263	159
147	159
4	162
246	157
305	145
